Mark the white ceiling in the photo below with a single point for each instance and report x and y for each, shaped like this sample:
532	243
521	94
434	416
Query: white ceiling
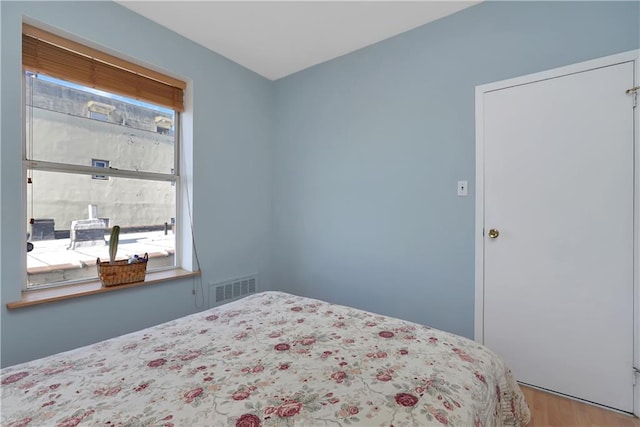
278	38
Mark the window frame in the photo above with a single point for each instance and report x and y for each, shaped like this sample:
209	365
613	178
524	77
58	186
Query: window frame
92	171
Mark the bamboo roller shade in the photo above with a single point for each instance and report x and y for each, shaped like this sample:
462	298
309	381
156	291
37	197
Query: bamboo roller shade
47	53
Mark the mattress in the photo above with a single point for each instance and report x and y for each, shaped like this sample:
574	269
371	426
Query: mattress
269	359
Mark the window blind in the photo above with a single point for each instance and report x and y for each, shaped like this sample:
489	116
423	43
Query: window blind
47	53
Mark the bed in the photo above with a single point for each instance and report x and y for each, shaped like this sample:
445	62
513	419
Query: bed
269	359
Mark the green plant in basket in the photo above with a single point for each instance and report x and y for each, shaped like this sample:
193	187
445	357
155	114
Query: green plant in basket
113	243
113	273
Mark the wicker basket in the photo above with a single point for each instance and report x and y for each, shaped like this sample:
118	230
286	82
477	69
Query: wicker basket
121	272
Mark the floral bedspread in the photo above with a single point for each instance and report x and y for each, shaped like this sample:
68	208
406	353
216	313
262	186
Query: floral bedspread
271	359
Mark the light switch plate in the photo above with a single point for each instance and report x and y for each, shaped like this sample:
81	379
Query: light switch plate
462	188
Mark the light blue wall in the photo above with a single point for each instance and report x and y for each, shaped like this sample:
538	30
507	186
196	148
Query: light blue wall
232	128
369	148
337	182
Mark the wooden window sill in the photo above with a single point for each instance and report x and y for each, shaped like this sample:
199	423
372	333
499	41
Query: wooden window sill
44	296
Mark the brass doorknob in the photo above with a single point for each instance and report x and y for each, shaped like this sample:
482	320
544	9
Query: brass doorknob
493	233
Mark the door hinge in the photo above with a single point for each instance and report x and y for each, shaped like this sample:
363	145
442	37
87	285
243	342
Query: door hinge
636	373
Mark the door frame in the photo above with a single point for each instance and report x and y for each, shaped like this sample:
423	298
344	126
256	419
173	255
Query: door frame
481	90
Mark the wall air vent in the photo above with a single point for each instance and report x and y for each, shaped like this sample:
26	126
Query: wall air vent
232	289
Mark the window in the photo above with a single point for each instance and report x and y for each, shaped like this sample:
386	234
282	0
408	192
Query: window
99	111
82	104
164	125
100	164
98	116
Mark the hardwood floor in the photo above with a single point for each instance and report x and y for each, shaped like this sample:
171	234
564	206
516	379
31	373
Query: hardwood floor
550	410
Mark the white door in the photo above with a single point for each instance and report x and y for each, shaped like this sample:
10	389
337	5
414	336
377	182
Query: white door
559	189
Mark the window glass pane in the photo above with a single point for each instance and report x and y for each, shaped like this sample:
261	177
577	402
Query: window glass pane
68	123
100	164
70	216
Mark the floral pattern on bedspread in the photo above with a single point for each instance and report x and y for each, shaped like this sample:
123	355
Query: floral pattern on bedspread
271	359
